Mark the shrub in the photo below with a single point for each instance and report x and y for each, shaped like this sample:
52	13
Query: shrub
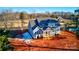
4	44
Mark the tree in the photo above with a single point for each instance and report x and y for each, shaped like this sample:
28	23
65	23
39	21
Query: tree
53	16
72	16
4	44
77	11
77	21
5	16
22	17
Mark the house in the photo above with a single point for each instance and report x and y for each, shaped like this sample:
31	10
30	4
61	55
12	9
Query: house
41	28
50	27
34	29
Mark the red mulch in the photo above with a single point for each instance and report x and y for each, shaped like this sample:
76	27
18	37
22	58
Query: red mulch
65	40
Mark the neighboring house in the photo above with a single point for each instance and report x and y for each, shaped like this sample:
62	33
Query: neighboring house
43	28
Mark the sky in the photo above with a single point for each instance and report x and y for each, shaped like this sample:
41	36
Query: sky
39	9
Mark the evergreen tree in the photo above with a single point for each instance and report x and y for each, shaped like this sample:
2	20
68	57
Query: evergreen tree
22	17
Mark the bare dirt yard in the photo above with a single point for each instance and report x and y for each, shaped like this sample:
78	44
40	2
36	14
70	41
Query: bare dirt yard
65	41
